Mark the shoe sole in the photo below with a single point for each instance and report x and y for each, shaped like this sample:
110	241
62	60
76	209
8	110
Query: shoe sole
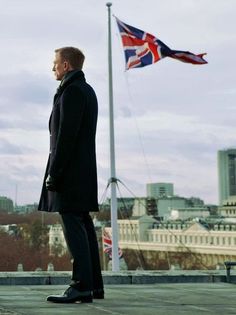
83	299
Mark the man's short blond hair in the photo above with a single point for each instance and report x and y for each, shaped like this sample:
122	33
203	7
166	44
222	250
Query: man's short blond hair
73	55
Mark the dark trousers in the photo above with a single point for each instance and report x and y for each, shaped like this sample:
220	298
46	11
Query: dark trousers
82	243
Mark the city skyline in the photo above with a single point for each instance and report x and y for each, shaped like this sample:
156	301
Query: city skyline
171	118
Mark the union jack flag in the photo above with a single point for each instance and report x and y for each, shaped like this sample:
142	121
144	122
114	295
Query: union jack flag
142	49
107	245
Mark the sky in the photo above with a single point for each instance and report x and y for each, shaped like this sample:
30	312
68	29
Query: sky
171	118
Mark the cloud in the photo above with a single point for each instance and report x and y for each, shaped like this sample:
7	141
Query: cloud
26	88
7	148
25	102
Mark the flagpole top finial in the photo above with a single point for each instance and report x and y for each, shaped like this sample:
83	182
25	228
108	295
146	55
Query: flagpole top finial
109	4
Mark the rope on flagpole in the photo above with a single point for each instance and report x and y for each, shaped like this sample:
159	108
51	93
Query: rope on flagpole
139	256
138	130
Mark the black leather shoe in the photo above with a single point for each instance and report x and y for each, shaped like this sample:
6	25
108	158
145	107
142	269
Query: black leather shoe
71	295
98	294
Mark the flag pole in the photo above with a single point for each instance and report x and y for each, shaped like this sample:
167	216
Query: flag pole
113	180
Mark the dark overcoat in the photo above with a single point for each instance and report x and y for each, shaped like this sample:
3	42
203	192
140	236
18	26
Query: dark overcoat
72	157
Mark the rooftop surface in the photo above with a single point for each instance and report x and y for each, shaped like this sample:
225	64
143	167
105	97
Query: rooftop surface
151	293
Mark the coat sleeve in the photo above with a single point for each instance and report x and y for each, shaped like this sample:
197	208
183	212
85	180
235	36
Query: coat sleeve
72	107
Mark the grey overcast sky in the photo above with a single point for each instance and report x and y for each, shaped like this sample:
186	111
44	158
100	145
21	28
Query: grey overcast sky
171	118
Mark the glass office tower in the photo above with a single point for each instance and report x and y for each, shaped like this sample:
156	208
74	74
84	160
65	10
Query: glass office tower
226	174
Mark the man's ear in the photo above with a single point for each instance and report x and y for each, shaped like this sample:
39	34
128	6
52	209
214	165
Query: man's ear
67	66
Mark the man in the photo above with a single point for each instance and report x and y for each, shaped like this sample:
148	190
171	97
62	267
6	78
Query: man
70	182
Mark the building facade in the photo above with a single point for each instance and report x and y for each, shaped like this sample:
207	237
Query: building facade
213	243
26	208
6	204
57	243
166	204
172	236
144	206
226	174
156	190
187	213
228	209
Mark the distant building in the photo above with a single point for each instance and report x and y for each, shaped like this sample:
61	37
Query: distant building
156	190
57	243
135	229
195	202
166	204
226	174
6	204
121	202
188	213
228	209
144	233
163	206
26	208
144	206
124	205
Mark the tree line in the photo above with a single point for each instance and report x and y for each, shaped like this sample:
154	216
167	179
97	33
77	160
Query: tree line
27	243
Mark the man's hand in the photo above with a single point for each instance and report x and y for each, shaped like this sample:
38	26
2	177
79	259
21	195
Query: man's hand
50	183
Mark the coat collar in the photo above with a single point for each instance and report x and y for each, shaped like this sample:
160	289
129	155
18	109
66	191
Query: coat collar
69	77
